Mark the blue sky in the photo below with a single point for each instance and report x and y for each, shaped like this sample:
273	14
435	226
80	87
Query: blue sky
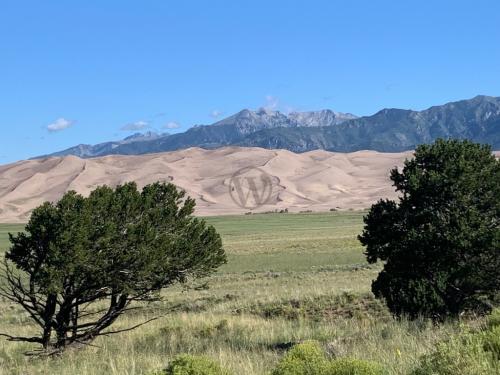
90	71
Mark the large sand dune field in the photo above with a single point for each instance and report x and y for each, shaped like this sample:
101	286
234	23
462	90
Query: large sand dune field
316	180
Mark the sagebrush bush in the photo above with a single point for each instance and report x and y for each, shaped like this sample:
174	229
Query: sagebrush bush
464	354
351	366
193	365
307	358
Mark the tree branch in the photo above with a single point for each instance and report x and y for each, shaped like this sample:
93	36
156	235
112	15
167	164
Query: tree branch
24	339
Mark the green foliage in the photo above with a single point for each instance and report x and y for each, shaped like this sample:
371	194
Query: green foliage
468	353
494	318
491	341
464	355
193	365
249	345
440	242
118	245
307	358
350	366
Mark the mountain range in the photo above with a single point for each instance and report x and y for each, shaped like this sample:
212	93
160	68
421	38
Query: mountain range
389	130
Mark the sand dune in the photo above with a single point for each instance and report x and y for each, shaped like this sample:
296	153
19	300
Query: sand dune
316	180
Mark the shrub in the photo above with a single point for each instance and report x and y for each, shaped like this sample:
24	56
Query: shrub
439	241
307	358
464	355
350	366
193	365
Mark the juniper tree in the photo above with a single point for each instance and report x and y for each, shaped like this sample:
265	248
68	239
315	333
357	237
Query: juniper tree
440	242
83	262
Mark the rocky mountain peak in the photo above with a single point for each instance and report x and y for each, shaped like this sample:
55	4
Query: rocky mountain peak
388	130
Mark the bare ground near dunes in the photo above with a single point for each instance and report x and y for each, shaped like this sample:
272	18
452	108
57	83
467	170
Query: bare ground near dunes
316	180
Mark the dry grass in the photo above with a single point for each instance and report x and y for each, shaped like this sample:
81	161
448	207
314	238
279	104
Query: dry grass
290	278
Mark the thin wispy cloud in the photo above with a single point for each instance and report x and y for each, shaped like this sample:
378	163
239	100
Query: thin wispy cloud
59	124
289	109
216	113
133	126
271	103
171	125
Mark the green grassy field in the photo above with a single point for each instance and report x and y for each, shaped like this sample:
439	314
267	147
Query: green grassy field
5	229
290	277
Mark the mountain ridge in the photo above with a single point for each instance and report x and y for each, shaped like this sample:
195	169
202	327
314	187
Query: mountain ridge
394	130
388	130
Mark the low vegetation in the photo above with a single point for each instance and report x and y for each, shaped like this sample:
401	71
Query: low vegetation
294	298
471	352
325	307
193	365
310	358
273	261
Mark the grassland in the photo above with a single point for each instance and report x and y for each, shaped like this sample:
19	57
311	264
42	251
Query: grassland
290	277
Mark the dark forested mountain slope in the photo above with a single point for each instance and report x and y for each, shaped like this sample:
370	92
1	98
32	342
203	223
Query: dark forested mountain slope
389	130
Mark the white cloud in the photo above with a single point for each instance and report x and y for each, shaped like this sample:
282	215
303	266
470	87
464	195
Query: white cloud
171	125
138	125
271	103
59	124
216	113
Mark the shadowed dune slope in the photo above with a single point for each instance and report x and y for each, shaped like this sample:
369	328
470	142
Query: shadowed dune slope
316	180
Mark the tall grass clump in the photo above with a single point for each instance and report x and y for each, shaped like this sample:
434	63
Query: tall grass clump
494	318
467	353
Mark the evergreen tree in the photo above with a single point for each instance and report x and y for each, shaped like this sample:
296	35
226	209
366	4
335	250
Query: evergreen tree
114	248
440	243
